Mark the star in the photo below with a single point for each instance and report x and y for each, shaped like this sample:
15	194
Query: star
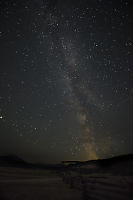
67	79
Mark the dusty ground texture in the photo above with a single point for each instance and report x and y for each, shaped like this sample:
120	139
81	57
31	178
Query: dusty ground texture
100	186
73	183
29	184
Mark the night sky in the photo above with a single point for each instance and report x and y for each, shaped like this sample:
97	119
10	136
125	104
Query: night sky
66	79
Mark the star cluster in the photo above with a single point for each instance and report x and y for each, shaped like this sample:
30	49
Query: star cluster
66	79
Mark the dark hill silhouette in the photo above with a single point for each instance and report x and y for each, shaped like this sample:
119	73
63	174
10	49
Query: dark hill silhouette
116	159
106	161
13	160
122	164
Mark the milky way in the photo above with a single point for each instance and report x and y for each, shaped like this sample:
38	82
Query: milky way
66	79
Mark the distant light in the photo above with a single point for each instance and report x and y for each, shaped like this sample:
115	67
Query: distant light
1	117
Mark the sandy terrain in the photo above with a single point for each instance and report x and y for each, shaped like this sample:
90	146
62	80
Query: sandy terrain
109	179
28	184
100	186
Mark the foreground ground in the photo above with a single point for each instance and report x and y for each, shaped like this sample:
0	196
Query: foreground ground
89	181
100	186
29	184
